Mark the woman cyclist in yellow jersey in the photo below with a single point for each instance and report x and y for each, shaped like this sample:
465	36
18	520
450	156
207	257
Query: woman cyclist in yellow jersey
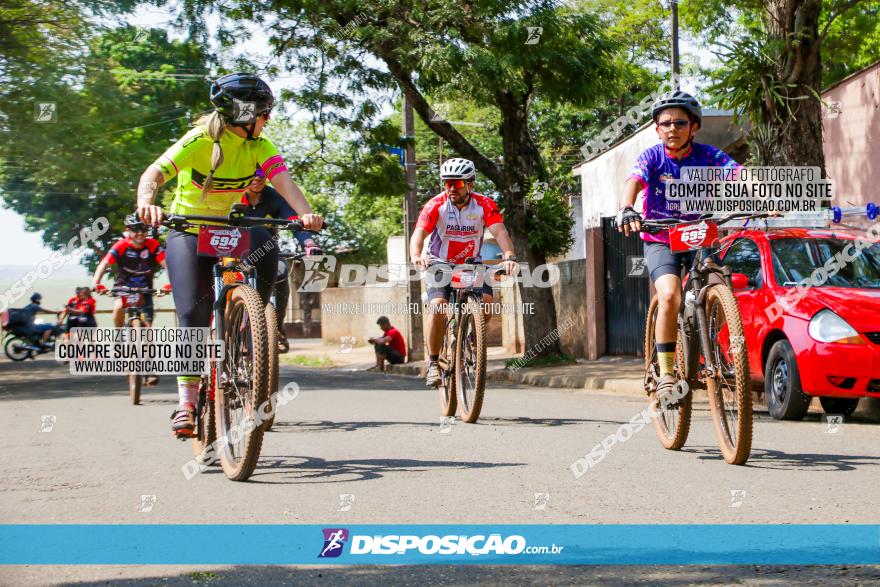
215	163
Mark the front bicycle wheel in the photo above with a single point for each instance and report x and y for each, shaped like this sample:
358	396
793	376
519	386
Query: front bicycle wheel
470	359
730	395
243	383
671	422
272	338
135	381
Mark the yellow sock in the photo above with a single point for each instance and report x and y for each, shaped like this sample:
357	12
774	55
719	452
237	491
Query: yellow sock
666	360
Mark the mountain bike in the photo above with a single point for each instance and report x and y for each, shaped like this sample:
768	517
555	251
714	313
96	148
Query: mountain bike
230	398
133	304
711	350
462	359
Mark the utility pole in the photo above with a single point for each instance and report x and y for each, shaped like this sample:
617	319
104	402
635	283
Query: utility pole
415	332
675	64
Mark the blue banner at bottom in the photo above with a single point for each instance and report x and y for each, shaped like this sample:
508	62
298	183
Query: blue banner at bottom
98	544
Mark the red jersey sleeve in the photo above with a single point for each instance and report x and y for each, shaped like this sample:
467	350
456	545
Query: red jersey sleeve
156	249
430	213
115	251
91	304
491	215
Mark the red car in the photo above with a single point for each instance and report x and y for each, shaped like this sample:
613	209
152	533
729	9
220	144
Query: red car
822	341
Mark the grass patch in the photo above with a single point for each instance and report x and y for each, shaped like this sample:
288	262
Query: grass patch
542	361
203	576
322	361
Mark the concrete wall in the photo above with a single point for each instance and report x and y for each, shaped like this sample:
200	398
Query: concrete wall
847	128
568	296
365	305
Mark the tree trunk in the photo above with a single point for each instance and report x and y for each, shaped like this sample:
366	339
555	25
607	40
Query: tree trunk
796	138
522	161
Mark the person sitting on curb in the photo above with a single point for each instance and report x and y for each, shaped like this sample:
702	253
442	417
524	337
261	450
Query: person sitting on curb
389	347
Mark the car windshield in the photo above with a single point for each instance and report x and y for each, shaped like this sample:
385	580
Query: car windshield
796	259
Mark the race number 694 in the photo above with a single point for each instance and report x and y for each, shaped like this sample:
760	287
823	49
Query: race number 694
224	241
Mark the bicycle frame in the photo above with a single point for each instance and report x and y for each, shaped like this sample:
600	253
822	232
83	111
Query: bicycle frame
700	275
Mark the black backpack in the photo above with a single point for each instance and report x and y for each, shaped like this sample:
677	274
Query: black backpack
16	318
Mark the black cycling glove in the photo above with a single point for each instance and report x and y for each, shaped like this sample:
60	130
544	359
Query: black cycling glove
627	215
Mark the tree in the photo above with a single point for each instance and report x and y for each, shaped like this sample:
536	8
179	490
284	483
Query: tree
499	54
772	71
134	93
356	186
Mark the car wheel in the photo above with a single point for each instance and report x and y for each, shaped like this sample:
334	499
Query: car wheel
782	384
839	405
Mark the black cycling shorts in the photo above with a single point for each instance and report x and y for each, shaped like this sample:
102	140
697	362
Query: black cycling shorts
662	261
192	278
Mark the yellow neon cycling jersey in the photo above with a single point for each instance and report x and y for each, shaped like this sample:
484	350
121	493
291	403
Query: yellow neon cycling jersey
190	159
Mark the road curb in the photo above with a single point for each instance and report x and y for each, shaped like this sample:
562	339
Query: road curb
623	386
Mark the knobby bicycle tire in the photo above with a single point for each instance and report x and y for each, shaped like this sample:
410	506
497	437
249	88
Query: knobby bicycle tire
471	320
242	300
672	425
734	437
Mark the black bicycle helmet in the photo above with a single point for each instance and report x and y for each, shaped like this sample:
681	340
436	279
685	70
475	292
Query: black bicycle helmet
677	99
36	298
230	91
133	222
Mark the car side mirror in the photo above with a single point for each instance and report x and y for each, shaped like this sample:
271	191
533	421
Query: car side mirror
739	281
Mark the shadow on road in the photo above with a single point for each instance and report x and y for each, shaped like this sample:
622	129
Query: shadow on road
775	459
318	470
526	421
325	425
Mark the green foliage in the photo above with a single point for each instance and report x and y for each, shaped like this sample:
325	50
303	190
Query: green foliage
472	57
133	94
357	186
852	42
549	219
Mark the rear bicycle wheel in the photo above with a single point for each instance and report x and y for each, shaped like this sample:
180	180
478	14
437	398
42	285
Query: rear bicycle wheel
243	383
135	380
730	395
272	338
672	423
470	360
448	401
206	427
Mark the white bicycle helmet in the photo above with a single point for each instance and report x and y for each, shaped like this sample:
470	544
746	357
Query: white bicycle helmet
458	168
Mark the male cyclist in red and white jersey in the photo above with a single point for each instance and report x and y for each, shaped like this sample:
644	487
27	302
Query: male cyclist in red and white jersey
456	220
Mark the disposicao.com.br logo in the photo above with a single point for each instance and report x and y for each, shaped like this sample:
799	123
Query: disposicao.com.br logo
431	544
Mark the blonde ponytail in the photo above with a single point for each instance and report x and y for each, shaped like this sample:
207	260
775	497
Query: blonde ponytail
214	127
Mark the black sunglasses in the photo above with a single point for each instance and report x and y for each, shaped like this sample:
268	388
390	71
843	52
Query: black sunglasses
679	124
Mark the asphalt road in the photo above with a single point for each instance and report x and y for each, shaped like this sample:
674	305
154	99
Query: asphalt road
366	448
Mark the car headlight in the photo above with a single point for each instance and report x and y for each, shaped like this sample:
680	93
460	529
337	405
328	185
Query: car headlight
826	326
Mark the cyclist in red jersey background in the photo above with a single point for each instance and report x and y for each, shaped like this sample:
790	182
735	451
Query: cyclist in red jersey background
135	258
455	220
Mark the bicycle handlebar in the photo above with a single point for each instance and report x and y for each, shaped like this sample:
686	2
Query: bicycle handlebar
657	225
122	290
179	221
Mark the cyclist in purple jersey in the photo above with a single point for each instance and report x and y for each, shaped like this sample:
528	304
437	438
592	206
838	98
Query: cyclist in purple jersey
678	117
